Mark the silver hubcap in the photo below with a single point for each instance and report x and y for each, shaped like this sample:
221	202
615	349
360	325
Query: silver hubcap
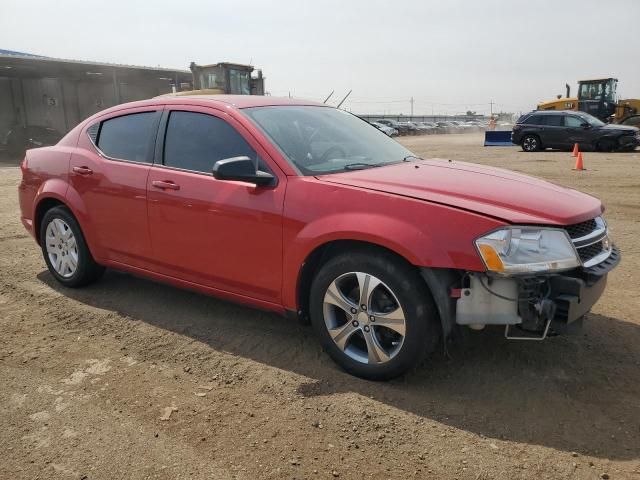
364	318
61	248
530	143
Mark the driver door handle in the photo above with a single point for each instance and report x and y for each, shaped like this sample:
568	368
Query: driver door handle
165	185
82	170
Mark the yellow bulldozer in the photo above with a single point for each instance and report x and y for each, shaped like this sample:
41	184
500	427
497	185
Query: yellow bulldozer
224	78
598	98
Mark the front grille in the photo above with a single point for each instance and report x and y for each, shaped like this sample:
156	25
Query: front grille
581	229
588	238
590	251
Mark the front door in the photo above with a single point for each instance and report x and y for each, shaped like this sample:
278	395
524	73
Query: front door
222	234
575	132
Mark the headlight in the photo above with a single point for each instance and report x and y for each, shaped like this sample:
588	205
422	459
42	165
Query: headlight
514	250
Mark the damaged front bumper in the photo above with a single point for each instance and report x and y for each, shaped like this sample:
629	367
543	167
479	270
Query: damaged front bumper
530	307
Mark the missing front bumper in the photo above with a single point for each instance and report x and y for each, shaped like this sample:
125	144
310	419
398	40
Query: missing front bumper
532	306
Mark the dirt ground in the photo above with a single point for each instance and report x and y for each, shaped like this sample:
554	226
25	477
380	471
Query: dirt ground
133	379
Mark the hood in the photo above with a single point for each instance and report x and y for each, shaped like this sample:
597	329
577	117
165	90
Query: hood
620	128
490	191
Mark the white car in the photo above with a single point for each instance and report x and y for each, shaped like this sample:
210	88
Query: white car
392	132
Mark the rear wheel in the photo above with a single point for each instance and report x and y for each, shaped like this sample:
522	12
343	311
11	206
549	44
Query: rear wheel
65	250
373	314
531	143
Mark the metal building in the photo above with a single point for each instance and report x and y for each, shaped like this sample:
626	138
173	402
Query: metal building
58	93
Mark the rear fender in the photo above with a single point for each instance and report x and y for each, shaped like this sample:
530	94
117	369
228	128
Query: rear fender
66	194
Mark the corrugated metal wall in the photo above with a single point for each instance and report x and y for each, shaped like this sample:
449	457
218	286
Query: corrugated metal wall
60	103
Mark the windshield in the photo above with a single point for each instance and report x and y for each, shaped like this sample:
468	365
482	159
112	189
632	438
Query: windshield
600	90
320	140
591	120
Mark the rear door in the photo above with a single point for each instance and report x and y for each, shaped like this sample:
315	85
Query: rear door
552	132
109	172
222	234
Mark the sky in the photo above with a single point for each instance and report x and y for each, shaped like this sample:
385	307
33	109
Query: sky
450	56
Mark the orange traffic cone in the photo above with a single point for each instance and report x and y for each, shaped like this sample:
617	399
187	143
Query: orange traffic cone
579	162
576	150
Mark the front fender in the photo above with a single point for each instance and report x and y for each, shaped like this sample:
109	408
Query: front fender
392	233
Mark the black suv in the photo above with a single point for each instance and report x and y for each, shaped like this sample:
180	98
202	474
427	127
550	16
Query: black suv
562	129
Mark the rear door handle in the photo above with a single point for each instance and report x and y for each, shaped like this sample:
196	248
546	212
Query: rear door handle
165	185
82	170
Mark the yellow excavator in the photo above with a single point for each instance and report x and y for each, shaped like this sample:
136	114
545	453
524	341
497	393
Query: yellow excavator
598	98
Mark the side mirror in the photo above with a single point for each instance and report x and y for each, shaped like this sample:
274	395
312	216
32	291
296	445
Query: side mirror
241	169
586	125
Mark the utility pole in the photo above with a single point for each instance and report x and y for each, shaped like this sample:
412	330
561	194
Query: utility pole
411	106
491	105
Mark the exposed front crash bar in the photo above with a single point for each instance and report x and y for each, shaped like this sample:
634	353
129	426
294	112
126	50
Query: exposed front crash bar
528	305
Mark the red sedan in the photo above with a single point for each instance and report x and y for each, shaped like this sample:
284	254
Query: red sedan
307	210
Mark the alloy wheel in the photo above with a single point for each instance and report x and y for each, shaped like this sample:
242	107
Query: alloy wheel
364	318
62	248
530	144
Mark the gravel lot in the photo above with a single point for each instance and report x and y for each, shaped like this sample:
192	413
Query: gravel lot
133	379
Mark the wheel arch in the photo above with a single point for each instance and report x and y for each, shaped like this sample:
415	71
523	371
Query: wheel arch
50	197
531	134
43	206
323	253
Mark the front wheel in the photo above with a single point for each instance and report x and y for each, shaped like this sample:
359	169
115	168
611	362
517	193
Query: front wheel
65	249
607	145
531	143
373	314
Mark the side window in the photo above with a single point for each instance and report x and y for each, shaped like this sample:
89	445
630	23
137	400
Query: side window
196	141
533	120
552	120
128	137
572	122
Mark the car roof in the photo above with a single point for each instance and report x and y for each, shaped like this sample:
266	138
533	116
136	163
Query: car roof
551	112
221	101
242	101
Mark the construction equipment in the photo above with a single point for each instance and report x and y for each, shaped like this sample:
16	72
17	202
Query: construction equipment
224	78
598	98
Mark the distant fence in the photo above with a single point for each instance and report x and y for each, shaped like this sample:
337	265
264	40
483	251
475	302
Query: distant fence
422	118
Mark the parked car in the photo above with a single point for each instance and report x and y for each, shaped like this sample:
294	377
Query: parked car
562	129
461	126
633	121
307	210
20	138
426	127
392	132
448	127
412	128
401	128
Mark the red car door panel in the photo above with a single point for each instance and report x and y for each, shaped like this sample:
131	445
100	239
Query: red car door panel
114	191
222	234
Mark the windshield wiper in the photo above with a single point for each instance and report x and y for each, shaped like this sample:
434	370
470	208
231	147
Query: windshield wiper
408	158
359	166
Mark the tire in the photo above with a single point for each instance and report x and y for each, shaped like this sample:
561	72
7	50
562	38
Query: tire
607	145
531	143
409	330
65	250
